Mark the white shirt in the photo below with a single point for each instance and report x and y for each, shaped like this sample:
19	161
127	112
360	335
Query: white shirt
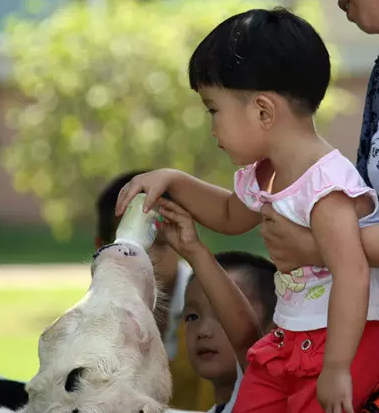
175	311
303	294
229	406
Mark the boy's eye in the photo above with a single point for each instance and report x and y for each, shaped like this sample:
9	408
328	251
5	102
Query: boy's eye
190	317
212	111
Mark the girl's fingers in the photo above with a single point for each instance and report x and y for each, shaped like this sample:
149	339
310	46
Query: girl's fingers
126	194
338	408
348	406
151	198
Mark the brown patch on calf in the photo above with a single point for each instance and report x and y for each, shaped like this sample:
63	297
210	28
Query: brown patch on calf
131	323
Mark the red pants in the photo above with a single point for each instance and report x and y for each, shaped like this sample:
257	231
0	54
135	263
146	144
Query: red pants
284	367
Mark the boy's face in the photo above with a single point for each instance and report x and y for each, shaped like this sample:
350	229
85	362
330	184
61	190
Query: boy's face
209	350
235	124
364	13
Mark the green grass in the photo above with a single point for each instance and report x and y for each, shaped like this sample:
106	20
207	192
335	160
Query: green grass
24	314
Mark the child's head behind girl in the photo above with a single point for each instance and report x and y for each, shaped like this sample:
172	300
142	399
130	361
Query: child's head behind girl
209	350
262	75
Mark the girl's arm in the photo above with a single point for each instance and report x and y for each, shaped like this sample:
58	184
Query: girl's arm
334	224
212	206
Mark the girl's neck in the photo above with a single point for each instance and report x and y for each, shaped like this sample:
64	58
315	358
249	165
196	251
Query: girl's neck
222	392
294	149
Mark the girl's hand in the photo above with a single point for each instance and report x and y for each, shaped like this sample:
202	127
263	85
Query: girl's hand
153	183
290	245
179	229
334	390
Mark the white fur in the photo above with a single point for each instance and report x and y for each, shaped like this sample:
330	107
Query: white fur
112	333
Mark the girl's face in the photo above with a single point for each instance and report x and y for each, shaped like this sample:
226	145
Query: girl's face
364	13
235	125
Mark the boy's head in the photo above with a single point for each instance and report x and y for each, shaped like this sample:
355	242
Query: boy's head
255	71
164	258
208	347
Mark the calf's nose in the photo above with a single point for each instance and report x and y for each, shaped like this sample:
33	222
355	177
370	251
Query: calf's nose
117	249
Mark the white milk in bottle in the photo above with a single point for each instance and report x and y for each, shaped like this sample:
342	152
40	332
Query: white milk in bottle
137	227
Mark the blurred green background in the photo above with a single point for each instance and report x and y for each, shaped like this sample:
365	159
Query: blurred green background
88	90
25	314
38	245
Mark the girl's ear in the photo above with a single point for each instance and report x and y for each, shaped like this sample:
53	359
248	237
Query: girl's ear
265	108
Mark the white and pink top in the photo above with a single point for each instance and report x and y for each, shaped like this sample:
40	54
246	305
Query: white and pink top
303	294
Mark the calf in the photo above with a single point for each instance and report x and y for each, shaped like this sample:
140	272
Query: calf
105	354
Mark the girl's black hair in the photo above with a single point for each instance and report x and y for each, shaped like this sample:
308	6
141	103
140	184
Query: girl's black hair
265	50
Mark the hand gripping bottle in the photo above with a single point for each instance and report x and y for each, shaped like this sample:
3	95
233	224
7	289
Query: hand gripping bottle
136	227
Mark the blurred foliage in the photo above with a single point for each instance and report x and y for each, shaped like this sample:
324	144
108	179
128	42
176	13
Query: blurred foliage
106	91
38	245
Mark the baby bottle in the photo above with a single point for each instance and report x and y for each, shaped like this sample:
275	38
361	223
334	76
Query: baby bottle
137	227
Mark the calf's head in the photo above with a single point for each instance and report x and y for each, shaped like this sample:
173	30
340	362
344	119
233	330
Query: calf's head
99	356
123	268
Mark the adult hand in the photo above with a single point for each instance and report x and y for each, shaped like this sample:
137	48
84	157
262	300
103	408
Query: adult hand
291	246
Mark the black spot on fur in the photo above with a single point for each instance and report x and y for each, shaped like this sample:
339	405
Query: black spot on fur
12	394
72	381
101	249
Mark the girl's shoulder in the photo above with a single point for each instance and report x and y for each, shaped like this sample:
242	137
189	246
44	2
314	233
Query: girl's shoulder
333	172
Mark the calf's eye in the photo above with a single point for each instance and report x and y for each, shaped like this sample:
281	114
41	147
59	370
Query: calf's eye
72	381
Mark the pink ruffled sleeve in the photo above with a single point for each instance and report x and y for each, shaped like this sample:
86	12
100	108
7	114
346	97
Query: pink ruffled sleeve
246	187
339	174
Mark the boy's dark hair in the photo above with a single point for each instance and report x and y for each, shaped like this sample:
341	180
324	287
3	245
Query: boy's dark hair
257	279
106	204
265	50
